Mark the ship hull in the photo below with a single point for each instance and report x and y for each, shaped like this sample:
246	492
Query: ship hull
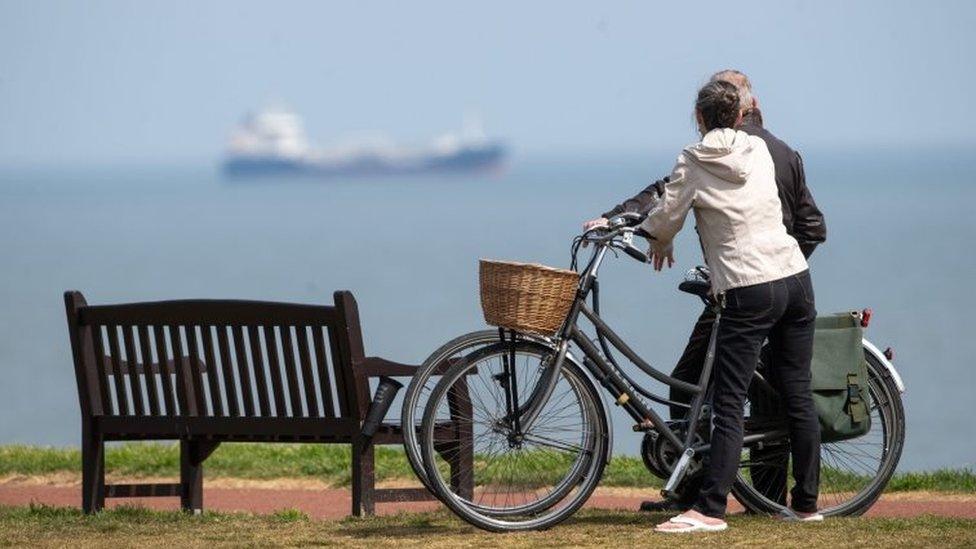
484	158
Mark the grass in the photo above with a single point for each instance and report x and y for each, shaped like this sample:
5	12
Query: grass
133	526
331	464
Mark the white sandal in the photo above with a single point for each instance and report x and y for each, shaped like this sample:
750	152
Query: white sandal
694	525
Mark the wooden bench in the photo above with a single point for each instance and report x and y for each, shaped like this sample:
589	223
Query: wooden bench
205	372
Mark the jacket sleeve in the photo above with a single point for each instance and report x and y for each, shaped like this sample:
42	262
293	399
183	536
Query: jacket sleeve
809	228
641	202
667	218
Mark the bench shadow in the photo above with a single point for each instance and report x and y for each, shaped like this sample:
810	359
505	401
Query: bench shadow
441	525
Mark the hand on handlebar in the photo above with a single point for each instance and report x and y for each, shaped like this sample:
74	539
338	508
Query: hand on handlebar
595	223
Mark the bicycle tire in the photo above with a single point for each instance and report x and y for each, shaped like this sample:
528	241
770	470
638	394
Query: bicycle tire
462	344
492	521
894	436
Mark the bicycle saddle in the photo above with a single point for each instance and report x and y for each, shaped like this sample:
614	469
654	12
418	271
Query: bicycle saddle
696	282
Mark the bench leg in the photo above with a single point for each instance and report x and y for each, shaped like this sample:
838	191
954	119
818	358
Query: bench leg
92	471
460	455
363	478
191	477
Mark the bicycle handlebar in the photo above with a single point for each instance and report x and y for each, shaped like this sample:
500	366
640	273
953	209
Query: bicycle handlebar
619	233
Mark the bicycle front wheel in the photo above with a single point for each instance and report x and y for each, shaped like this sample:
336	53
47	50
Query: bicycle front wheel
519	479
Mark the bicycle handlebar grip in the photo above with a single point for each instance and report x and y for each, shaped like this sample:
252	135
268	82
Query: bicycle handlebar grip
385	393
633	252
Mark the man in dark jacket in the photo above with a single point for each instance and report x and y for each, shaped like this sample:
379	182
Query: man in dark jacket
803	221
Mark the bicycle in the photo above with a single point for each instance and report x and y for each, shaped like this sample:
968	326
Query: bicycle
538	458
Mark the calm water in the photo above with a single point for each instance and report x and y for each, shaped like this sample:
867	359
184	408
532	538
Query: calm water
901	233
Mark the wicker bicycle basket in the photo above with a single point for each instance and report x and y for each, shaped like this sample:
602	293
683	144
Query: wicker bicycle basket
526	297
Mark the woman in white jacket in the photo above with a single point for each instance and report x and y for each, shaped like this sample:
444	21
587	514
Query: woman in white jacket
760	276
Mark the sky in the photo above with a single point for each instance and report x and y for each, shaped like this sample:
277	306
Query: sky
119	82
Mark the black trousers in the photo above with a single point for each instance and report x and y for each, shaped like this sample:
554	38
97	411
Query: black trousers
770	470
784	312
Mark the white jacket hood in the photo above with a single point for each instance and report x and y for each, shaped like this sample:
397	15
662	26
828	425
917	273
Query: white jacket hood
725	153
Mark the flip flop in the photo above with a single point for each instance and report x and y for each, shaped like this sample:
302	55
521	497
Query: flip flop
694	525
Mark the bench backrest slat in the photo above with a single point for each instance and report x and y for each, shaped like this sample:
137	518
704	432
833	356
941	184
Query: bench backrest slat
311	402
196	371
229	381
129	346
98	344
165	373
291	371
210	358
263	406
184	389
152	388
243	371
118	378
322	367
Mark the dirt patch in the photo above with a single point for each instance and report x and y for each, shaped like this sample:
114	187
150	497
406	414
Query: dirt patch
66	479
319	500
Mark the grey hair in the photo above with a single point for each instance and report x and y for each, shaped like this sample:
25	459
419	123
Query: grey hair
741	83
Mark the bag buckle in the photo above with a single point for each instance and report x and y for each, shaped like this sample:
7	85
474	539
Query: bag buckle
853	389
855	408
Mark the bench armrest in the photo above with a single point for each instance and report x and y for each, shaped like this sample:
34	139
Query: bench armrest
374	366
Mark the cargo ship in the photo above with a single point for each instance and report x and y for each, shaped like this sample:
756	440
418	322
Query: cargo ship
273	142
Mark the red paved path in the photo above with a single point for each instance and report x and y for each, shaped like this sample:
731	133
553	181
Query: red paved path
335	503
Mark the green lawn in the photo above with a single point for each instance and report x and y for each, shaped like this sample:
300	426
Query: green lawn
331	464
131	527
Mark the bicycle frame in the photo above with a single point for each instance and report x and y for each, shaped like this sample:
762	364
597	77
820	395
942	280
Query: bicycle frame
618	384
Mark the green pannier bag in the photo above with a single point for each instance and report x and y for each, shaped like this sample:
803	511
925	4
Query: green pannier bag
840	377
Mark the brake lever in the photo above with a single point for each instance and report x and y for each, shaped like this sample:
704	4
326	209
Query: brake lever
586	242
633	251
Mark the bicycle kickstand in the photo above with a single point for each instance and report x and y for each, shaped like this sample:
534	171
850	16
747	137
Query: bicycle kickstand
678	474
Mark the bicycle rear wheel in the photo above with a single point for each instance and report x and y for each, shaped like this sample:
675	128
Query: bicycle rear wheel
853	473
522	479
423	382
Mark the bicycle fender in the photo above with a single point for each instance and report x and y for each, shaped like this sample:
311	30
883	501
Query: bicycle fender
877	354
603	403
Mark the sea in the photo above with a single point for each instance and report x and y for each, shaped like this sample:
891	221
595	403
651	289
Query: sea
901	232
